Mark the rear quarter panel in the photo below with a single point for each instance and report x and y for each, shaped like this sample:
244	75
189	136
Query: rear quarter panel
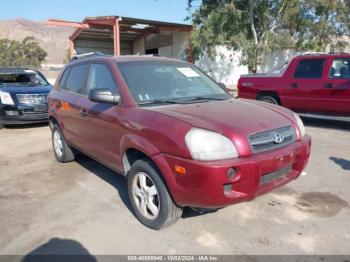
249	87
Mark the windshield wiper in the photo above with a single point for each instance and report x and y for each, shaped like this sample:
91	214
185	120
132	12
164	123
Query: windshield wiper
160	101
203	98
177	101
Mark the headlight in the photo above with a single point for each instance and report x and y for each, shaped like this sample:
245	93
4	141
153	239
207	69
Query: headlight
207	145
6	98
300	125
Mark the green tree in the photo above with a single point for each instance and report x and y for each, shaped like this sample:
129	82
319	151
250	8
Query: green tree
322	24
25	53
258	27
68	56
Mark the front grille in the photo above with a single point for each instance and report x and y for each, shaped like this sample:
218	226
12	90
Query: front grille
265	141
32	99
273	176
31	113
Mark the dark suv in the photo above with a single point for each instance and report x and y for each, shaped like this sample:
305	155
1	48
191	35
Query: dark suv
179	138
23	96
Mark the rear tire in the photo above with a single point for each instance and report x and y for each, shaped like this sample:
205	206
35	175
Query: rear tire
268	99
62	151
149	196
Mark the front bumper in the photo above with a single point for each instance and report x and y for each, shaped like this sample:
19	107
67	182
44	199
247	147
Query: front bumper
25	115
206	184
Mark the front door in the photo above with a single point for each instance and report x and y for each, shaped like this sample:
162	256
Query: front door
304	89
100	125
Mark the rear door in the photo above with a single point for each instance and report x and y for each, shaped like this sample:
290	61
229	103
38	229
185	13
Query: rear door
337	84
101	122
305	86
68	104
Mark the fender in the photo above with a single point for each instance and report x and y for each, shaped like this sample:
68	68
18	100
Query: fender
139	143
54	115
133	141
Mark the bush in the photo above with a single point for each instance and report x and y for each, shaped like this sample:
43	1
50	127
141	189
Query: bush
25	53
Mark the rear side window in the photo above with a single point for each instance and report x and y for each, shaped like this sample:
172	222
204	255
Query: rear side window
64	78
76	79
340	68
309	68
101	77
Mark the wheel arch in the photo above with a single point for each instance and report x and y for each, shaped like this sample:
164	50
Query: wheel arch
135	148
53	121
269	93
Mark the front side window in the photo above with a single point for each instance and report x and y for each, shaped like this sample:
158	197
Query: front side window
101	77
76	79
309	69
156	82
340	68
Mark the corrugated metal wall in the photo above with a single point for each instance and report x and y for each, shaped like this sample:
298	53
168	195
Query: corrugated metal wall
85	46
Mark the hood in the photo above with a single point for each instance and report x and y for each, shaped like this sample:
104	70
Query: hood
235	118
30	89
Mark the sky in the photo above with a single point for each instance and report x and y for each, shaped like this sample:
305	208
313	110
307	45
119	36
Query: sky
76	10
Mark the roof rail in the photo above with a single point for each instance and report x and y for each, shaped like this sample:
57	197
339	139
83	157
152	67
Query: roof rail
87	55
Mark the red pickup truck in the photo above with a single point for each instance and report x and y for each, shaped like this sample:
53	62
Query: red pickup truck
314	85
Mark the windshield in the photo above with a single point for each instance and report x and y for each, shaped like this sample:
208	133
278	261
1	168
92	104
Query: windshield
22	79
164	82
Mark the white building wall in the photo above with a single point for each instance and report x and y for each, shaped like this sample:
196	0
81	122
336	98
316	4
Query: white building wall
224	68
276	60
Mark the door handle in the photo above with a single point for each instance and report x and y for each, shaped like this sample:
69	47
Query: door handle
83	113
328	85
294	85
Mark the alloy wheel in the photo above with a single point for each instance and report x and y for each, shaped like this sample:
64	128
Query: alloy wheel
146	196
57	143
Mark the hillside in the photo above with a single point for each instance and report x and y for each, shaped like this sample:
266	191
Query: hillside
53	39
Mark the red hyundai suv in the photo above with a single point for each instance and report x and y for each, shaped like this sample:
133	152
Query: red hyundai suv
178	136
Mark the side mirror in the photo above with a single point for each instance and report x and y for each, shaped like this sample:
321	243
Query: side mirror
103	95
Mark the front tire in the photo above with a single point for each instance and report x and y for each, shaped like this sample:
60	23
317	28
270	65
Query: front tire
268	99
63	152
149	196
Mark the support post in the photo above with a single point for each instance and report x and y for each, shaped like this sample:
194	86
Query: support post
116	37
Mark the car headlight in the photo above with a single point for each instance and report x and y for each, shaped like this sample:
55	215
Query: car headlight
300	125
207	145
6	98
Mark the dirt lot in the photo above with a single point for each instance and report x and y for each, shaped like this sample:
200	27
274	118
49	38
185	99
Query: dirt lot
47	207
